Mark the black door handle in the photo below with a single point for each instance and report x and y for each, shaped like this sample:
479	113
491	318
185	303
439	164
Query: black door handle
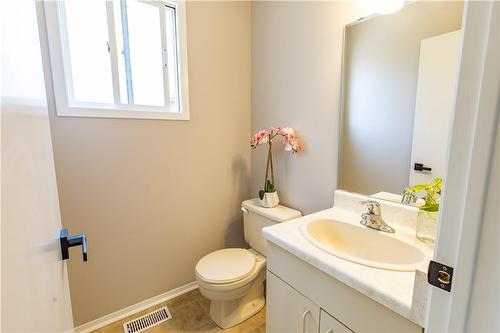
67	242
421	167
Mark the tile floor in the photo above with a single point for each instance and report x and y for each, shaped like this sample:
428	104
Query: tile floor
190	314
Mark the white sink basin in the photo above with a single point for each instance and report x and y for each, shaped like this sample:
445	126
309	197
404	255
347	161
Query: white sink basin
362	245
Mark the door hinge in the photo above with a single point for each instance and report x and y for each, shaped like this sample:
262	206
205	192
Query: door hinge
440	275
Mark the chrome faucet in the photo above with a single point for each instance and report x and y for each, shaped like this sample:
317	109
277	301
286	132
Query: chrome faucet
373	219
409	197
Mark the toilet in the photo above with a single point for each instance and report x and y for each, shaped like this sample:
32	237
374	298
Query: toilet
233	279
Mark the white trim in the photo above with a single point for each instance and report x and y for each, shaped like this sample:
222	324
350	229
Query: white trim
468	165
342	92
119	111
182	57
113	51
164	55
59	83
130	310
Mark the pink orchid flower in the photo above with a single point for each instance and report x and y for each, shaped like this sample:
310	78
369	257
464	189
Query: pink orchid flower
259	138
290	140
291	143
287	134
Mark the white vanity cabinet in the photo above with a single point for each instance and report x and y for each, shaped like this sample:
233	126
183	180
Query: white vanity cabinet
300	295
289	311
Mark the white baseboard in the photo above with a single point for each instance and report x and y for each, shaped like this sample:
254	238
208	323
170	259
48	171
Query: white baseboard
130	310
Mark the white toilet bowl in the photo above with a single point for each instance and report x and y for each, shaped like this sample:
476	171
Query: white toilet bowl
233	279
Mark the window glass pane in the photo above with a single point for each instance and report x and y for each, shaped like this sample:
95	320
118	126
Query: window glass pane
145	52
87	36
144	41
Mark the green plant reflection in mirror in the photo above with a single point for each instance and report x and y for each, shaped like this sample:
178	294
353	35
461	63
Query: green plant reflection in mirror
432	194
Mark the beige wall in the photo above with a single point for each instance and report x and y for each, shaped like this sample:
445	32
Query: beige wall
296	61
154	196
382	60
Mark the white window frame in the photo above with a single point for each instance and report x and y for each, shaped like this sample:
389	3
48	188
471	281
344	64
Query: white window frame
60	72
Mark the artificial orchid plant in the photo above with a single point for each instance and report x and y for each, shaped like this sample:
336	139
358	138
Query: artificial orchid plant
289	139
432	194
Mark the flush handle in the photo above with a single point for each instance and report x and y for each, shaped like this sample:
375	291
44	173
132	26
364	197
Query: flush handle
70	241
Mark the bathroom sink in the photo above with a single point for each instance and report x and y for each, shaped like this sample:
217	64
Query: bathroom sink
362	245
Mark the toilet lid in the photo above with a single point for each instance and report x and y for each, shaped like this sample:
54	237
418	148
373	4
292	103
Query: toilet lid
226	265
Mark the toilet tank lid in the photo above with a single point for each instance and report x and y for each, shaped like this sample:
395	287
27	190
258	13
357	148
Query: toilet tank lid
279	213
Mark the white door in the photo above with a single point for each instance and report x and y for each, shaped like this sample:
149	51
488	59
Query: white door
437	74
287	310
34	288
468	197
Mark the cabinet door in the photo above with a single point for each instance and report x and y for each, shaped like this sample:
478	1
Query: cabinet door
288	311
328	324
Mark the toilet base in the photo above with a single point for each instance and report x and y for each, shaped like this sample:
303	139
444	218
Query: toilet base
233	312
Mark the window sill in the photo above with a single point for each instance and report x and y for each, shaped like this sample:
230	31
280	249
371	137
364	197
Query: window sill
136	112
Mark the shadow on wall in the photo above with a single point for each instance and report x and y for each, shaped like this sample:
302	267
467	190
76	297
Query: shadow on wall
240	178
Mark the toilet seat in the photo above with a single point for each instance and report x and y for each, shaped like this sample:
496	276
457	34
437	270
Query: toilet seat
226	266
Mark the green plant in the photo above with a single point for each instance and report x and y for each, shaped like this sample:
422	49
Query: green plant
432	194
269	188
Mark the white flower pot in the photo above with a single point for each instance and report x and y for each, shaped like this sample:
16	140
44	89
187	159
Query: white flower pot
270	200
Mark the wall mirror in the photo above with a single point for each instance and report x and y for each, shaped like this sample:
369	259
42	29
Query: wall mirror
399	74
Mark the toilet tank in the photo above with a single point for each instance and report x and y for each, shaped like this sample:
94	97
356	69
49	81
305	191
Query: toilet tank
256	217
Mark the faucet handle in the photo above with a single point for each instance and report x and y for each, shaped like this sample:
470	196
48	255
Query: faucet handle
372	205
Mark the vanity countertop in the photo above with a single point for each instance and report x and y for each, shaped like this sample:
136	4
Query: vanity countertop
393	289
